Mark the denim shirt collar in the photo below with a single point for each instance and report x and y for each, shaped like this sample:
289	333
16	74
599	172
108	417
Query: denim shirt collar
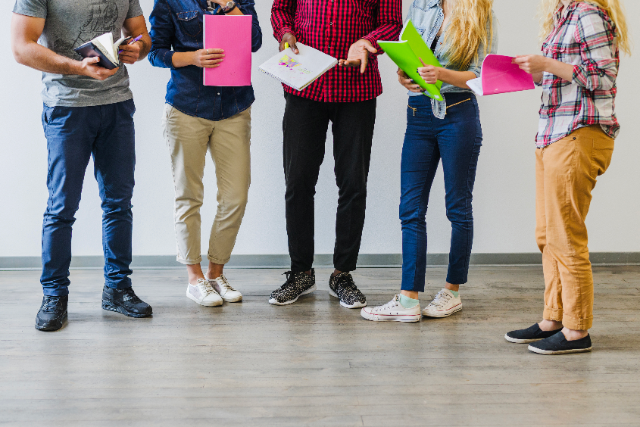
434	3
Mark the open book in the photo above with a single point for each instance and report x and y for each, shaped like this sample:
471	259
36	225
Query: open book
104	48
298	71
500	75
408	53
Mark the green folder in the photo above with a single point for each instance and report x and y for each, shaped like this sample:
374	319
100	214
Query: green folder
407	53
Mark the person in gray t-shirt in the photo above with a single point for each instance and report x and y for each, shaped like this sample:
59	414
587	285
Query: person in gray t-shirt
88	112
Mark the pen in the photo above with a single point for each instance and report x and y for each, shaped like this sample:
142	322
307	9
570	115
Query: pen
137	39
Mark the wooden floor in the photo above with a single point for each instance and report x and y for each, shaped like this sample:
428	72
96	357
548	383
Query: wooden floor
314	363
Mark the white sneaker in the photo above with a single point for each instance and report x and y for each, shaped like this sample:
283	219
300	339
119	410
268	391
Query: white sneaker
226	291
443	305
392	311
203	294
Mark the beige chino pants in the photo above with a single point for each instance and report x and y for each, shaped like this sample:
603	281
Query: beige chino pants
566	173
189	138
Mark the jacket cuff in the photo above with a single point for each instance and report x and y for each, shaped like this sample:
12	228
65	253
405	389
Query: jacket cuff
579	76
167	59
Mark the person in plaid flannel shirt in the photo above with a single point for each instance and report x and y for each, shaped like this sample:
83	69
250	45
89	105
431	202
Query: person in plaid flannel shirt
346	97
578	125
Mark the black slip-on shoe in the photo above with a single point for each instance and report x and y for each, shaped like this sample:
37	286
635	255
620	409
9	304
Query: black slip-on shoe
343	287
125	301
531	334
52	313
296	285
558	344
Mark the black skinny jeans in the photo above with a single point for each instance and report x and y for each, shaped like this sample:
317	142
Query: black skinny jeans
305	127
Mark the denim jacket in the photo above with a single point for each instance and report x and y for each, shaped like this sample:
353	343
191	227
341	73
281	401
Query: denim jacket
177	24
427	16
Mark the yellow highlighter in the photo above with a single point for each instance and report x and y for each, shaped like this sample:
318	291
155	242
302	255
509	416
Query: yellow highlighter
286	45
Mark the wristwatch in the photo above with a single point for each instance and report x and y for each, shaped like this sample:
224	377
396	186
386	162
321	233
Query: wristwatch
229	7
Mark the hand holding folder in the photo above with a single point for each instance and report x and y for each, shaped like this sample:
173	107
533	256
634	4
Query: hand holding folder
411	53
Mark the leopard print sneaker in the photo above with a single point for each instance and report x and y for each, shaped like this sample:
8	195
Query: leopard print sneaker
297	284
343	287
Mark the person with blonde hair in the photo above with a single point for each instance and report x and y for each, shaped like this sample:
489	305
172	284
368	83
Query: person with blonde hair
578	125
461	33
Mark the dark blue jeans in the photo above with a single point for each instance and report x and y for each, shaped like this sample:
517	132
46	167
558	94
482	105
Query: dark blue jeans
456	140
74	134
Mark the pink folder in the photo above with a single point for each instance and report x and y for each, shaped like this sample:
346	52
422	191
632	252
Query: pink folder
233	34
500	75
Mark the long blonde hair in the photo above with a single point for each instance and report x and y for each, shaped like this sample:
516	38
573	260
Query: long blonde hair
614	9
470	25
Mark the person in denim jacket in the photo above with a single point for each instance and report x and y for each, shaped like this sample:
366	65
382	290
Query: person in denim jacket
198	119
461	33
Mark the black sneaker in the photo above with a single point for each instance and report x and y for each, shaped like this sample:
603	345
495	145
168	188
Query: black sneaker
52	313
558	344
124	301
344	288
531	334
297	284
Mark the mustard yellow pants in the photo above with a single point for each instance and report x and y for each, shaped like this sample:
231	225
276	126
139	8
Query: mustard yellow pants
229	140
566	173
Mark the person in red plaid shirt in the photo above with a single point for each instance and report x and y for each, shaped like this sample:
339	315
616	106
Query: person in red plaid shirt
346	97
575	143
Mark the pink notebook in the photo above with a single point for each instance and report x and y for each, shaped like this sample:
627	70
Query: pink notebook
500	75
233	34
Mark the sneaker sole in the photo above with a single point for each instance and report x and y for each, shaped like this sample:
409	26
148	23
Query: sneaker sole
52	328
238	299
213	304
356	305
520	341
112	307
391	318
556	352
273	301
445	314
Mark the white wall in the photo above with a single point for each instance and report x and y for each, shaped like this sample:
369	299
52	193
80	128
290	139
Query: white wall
504	196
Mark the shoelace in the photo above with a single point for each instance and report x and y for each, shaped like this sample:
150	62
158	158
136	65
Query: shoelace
391	304
129	295
441	299
51	304
346	280
226	284
205	287
290	282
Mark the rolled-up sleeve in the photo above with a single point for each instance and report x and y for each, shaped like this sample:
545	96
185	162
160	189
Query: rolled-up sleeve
389	23
162	33
282	17
599	67
248	7
476	66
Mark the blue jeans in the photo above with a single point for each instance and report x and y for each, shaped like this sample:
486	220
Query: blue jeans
74	134
456	140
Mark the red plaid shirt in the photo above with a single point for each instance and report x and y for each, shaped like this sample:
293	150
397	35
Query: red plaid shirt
585	38
332	26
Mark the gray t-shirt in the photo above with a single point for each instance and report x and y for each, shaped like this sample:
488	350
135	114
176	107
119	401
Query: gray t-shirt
69	24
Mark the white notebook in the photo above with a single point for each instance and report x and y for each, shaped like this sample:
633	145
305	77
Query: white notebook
298	71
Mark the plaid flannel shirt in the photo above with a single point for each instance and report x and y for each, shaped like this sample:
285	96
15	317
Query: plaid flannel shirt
332	26
585	38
